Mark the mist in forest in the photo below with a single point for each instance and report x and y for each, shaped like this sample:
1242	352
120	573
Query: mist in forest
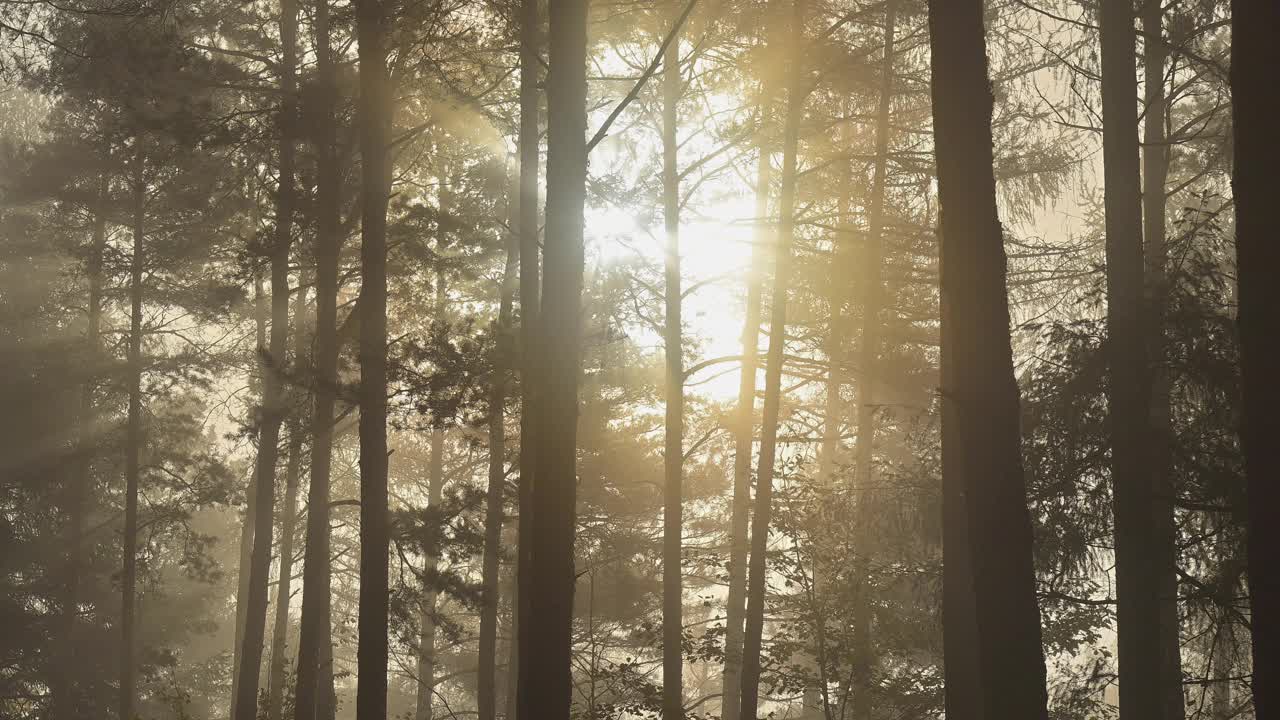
672	359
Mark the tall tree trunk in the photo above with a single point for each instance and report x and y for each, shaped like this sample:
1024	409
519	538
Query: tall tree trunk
260	313
758	567
673	441
427	631
743	440
1137	596
288	522
527	228
280	630
1155	171
1255	55
133	450
314	697
981	405
963	682
274	406
548	680
65	689
495	497
837	333
1221	650
375	110
435	490
868	359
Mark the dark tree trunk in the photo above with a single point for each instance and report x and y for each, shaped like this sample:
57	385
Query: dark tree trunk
495	497
65	689
284	592
743	440
314	698
260	313
426	669
549	678
980	413
1155	171
133	450
963	683
1129	390
868	358
527	228
375	123
1255	55
435	494
673	441
274	406
758	567
288	522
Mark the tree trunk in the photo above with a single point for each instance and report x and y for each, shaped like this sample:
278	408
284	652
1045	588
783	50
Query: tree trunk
495	497
963	682
1255	186
375	110
1155	171
274	406
435	491
1137	597
744	432
314	697
868	359
133	450
548	680
260	313
673	441
65	688
981	411
527	228
427	631
288	521
758	568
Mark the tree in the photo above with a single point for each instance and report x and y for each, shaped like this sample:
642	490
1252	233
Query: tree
375	110
546	674
980	415
314	689
1254	183
744	434
275	397
1138	627
1155	172
673	445
754	628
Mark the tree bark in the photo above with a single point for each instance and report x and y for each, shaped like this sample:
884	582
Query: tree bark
314	696
495	497
274	406
981	411
744	434
1155	171
288	522
862	675
426	669
1129	395
673	440
260	313
758	567
375	110
527	228
963	682
548	680
133	449
1255	187
65	688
